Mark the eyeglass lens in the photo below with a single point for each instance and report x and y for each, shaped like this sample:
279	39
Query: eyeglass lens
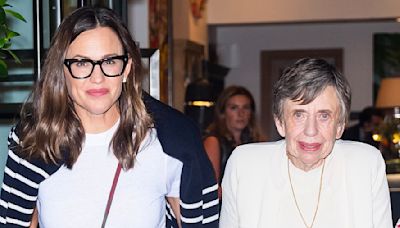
83	68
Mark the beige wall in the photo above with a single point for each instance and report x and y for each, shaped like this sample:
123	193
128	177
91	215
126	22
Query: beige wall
138	21
261	11
185	26
239	48
186	29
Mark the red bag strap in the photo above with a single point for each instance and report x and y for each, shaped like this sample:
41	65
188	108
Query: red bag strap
111	195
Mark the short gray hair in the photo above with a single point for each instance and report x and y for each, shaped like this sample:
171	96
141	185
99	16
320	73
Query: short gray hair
305	80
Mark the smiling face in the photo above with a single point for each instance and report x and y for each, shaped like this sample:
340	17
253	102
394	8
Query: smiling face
97	95
237	113
311	130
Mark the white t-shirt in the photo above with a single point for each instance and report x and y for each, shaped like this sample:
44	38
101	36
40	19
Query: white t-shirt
77	197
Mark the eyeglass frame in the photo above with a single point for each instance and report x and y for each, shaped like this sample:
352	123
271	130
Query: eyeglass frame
69	62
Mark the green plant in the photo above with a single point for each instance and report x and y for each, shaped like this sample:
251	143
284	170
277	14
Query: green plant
6	34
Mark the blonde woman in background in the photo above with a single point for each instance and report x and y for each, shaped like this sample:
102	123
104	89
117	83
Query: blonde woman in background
234	124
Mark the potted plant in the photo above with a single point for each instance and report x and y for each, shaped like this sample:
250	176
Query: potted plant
6	34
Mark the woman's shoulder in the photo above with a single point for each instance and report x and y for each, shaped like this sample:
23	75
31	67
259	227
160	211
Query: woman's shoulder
161	111
263	146
259	150
17	157
211	139
210	134
354	147
357	151
167	119
250	160
13	137
215	137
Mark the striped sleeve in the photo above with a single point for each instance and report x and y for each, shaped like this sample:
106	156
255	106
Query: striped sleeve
180	138
203	213
20	186
199	201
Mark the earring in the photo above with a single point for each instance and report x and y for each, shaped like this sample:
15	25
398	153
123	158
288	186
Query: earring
123	80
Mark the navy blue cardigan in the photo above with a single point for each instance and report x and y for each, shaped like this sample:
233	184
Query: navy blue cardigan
179	137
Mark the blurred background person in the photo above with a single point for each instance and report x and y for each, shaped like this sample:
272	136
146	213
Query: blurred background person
234	124
369	120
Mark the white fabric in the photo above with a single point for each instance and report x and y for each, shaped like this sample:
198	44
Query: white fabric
256	190
78	197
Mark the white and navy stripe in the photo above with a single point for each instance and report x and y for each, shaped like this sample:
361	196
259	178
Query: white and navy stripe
20	186
179	138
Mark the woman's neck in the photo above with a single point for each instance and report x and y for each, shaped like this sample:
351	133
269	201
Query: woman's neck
303	166
99	123
236	137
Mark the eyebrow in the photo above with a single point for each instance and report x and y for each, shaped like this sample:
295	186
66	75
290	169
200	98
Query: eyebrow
298	110
103	57
319	111
325	111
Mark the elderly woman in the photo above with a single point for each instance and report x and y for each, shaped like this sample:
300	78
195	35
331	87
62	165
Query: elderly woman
311	178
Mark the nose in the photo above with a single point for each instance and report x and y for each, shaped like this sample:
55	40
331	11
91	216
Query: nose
240	112
97	75
311	127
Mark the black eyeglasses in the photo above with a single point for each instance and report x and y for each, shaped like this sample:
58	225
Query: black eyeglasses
83	68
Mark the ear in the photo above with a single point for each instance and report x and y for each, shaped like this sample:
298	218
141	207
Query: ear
280	126
127	70
339	130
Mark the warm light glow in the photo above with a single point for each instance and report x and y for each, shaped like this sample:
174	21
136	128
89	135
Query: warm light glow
377	137
201	103
396	138
388	95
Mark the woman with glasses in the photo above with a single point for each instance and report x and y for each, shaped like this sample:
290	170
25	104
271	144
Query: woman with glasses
93	150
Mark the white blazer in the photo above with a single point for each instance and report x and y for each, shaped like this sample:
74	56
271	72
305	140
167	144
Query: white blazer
256	190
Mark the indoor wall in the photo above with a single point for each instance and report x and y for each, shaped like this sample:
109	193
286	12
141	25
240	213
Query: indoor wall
239	48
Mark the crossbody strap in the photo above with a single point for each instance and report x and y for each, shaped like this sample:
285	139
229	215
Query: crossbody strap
111	195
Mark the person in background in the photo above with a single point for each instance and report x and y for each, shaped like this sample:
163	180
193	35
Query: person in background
234	124
93	150
369	120
309	179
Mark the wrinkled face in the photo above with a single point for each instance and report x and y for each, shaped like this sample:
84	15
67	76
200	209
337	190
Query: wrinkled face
237	113
311	130
98	94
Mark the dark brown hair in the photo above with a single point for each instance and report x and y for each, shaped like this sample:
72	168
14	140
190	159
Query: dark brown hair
51	128
218	126
305	80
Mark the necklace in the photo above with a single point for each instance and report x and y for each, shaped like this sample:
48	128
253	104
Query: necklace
319	195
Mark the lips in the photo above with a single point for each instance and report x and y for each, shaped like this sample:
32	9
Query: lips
97	92
310	147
